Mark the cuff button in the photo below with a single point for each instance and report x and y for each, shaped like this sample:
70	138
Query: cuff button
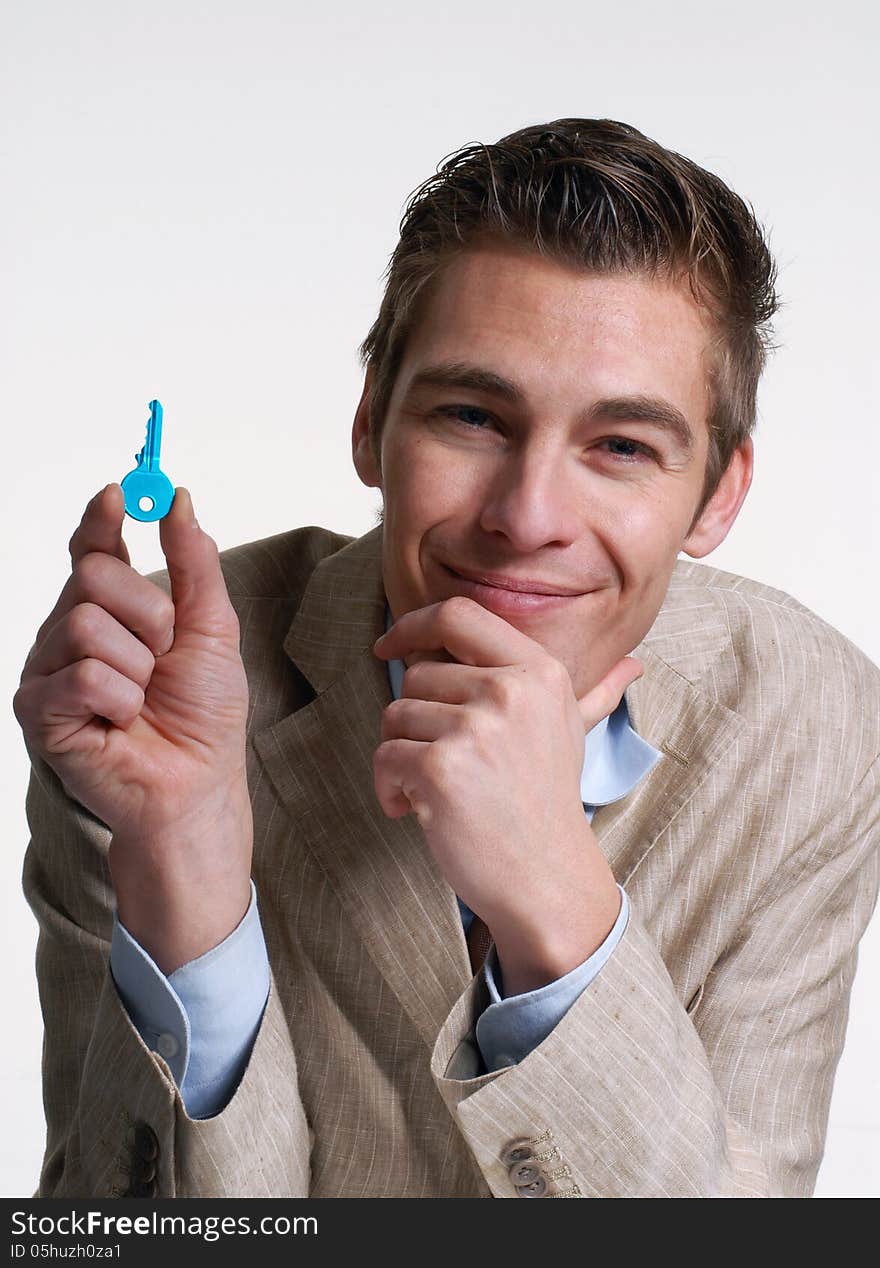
524	1173
536	1189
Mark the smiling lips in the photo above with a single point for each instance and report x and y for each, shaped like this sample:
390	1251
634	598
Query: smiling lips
521	585
511	595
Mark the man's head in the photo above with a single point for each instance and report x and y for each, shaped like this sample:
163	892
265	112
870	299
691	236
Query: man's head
607	291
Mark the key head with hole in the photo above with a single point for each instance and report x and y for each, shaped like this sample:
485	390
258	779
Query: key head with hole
153	488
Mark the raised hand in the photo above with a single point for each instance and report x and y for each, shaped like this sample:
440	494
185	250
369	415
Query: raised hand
139	704
487	751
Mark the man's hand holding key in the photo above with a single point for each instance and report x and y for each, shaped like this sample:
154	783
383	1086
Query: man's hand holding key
139	704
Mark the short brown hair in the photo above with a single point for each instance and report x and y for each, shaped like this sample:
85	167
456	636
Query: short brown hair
601	196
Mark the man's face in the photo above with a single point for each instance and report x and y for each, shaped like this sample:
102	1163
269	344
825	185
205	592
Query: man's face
548	426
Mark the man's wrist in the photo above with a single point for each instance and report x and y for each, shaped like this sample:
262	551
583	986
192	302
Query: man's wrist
181	898
557	933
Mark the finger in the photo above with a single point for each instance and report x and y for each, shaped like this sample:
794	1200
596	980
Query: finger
447	682
55	710
419	719
395	778
105	581
198	588
464	628
601	701
91	632
101	526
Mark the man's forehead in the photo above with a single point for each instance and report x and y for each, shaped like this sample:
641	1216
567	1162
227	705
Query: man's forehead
513	316
490	285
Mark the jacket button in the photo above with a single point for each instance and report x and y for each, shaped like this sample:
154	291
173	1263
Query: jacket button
141	1189
519	1151
536	1189
146	1144
142	1171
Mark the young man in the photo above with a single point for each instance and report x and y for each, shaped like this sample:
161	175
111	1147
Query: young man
271	849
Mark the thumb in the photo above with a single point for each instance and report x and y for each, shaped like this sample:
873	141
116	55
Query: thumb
601	701
198	589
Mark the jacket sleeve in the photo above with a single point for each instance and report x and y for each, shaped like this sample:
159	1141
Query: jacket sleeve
203	1018
115	1122
637	1092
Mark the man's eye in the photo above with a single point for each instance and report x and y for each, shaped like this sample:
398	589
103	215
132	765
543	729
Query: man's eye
458	411
626	449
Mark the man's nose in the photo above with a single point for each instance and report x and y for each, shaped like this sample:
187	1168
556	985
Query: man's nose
534	500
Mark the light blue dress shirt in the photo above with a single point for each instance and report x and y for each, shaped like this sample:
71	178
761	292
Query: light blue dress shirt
201	1021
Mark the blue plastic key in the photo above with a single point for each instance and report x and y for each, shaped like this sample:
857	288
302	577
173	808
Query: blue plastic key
148	482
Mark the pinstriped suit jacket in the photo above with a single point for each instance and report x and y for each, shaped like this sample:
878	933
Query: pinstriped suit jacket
699	1062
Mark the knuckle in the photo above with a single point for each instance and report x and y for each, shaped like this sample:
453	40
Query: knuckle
162	620
556	674
91	569
391	718
502	689
140	668
35	647
384	757
164	611
469	730
439	763
456	607
20	705
413	674
515	689
87	675
83	622
209	546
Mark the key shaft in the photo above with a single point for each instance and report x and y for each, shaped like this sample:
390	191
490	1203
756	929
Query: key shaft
153	447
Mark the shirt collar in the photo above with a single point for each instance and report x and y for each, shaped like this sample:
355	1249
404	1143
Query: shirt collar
615	757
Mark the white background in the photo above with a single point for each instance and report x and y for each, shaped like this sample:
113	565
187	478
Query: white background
198	203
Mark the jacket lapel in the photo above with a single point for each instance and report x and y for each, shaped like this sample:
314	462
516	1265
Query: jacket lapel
320	761
671	711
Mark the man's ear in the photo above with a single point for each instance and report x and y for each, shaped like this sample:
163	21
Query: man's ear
361	452
723	507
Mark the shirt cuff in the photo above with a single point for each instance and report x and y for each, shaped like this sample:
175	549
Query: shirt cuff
509	1028
202	1018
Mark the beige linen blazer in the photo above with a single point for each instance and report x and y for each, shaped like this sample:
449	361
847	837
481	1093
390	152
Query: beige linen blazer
699	1062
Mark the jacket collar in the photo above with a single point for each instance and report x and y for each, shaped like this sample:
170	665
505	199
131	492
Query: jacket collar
319	759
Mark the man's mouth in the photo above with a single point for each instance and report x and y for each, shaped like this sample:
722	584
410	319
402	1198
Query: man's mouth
508	595
521	585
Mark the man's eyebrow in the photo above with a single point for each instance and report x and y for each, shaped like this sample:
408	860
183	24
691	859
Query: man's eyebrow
458	374
647	409
639	408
